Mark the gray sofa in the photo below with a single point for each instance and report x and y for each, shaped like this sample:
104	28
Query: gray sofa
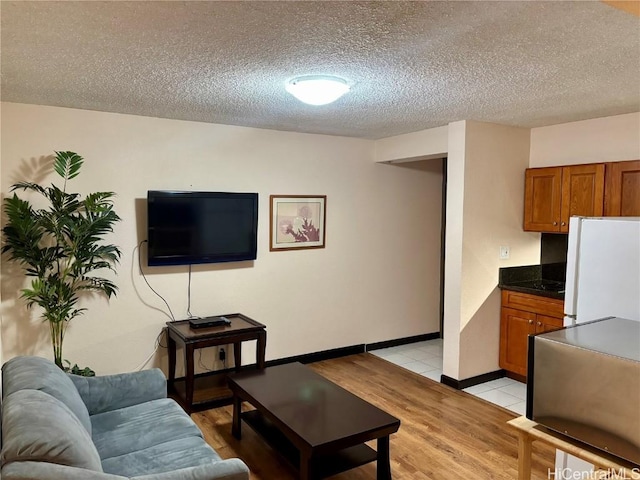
115	427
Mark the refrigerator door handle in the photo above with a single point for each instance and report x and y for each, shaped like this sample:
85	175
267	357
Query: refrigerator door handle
570	316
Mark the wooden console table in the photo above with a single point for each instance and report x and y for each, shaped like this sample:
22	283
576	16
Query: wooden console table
213	384
529	431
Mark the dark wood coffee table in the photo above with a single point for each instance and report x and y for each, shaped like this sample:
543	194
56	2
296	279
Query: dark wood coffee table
319	427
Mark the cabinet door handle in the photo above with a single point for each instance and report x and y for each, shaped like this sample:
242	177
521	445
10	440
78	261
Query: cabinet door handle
563	223
555	223
539	324
530	322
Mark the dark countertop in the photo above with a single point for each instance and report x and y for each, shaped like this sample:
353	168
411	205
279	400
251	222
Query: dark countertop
545	280
526	288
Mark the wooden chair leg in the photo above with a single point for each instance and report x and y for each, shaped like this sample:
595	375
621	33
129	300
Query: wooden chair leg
524	456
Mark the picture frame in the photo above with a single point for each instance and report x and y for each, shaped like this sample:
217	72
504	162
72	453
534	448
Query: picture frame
297	222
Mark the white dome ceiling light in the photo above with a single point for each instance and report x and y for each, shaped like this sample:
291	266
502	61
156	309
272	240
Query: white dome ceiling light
317	89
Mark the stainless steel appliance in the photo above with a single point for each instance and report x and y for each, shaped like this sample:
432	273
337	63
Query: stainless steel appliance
584	382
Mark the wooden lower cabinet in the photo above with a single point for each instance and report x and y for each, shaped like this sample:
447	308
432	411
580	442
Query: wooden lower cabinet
515	327
548	324
532	314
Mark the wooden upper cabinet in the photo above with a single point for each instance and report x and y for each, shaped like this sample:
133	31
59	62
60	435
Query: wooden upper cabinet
622	193
554	194
582	192
542	198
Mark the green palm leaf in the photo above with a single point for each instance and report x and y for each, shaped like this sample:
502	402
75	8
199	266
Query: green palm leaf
67	164
59	246
28	186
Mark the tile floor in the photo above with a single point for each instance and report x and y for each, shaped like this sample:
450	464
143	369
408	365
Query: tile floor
425	358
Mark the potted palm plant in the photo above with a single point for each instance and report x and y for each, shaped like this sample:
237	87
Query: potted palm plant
61	247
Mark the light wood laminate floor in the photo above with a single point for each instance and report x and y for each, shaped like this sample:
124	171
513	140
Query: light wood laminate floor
425	358
445	434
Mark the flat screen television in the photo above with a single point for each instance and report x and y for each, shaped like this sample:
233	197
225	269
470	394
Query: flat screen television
187	228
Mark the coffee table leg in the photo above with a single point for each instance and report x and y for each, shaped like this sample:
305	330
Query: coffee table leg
384	467
236	429
305	466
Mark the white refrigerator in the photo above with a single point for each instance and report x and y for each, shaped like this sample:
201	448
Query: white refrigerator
603	269
603	280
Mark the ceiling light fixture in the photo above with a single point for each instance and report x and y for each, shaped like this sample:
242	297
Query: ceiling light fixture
317	89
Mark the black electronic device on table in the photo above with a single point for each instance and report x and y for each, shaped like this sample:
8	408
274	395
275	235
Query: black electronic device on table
208	322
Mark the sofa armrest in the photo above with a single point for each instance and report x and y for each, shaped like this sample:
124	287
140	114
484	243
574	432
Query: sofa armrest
51	471
110	392
230	469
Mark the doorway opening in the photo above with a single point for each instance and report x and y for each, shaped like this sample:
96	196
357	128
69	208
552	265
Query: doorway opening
436	165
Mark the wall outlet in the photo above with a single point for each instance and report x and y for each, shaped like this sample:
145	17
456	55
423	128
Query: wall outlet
504	252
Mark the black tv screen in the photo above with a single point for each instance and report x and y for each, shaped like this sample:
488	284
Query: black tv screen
187	228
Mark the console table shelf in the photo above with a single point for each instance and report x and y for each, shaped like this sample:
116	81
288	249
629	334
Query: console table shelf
209	389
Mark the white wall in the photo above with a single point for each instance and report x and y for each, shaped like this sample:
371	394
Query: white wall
606	139
377	279
485	194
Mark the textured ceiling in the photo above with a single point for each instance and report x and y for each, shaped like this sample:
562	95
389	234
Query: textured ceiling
412	65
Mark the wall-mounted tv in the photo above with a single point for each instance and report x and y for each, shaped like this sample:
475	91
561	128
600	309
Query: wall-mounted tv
187	228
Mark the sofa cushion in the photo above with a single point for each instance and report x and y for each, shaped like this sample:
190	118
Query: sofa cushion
41	374
39	427
52	471
110	392
165	457
137	427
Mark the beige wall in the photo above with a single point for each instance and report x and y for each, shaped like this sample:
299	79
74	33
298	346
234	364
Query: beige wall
430	143
485	194
486	163
606	139
358	286
453	248
377	279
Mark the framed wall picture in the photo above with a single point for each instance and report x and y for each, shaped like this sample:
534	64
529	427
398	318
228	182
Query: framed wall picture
297	221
